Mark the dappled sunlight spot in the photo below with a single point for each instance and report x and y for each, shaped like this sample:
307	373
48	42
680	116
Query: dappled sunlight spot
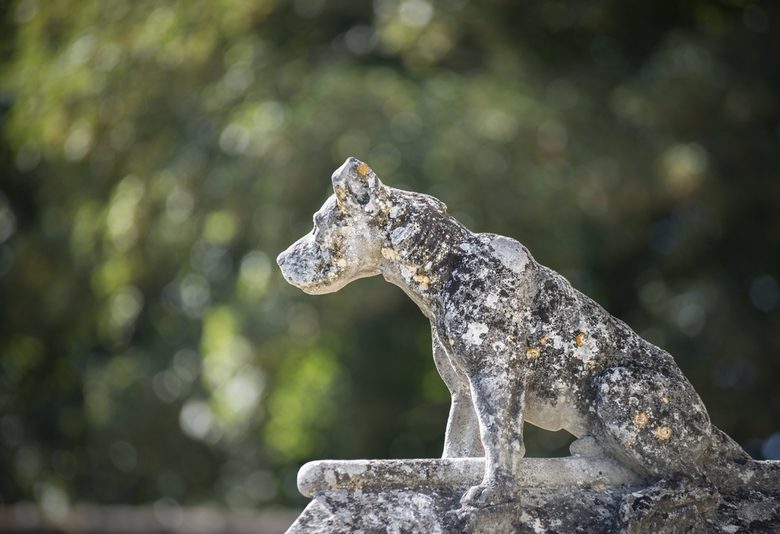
254	273
302	404
234	139
121	217
415	13
220	364
689	312
126	304
235	402
194	295
495	124
78	142
53	499
115	272
196	419
220	227
683	168
179	205
81	50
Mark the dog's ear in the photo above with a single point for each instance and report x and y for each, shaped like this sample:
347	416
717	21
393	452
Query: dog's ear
357	186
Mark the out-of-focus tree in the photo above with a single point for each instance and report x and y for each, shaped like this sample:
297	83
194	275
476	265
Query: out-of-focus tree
157	155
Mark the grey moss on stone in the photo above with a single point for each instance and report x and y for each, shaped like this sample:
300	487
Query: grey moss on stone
514	342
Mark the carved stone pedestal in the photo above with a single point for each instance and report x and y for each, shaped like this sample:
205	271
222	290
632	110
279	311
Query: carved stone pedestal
555	495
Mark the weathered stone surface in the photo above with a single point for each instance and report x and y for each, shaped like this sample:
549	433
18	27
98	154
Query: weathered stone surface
433	473
424	496
515	342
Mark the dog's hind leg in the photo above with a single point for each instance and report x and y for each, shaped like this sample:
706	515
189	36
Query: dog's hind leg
657	425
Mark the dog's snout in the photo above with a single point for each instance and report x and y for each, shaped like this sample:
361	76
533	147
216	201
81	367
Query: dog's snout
281	258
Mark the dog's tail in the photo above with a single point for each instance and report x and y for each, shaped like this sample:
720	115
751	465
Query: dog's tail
728	465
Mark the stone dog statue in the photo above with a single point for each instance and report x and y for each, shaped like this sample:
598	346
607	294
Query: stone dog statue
515	342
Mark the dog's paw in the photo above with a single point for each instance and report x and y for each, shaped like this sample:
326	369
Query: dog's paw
486	495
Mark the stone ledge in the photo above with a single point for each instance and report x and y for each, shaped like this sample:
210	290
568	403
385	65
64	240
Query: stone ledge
572	494
576	471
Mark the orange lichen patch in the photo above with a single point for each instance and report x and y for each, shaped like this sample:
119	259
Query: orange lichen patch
599	486
532	354
544	340
662	433
341	194
664	399
579	339
640	419
363	169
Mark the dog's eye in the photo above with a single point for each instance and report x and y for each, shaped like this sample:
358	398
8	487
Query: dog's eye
363	199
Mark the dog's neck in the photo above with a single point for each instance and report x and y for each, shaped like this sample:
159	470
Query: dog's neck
420	248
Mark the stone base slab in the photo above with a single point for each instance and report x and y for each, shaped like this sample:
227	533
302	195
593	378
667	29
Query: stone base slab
554	495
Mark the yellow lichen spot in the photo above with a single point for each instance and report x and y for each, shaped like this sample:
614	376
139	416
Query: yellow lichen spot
422	279
363	169
544	340
389	254
640	419
532	354
599	486
662	433
664	399
579	339
341	194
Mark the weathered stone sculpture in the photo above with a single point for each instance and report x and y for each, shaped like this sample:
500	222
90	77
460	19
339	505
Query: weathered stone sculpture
514	341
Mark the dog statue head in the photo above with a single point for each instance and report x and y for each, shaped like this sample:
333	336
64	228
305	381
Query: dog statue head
346	241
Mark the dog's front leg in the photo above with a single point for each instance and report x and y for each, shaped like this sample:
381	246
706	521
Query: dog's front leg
462	435
499	399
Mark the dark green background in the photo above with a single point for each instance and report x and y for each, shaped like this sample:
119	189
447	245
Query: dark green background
156	156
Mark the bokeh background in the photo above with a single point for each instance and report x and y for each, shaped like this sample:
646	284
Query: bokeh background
157	155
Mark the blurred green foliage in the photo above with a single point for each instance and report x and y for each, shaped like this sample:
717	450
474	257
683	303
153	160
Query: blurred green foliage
156	156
